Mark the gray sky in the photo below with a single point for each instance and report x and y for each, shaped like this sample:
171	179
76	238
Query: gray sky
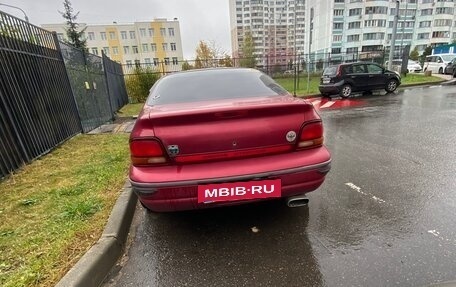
199	19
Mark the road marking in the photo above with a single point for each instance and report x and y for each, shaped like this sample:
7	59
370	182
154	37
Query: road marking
316	102
327	105
358	189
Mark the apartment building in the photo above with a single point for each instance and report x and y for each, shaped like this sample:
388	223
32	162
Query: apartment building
140	42
354	26
272	26
340	27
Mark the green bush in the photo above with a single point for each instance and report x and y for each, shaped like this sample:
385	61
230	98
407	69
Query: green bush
139	83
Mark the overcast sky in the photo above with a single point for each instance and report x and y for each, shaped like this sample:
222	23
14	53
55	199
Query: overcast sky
199	19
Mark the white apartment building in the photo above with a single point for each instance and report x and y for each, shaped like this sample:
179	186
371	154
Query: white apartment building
353	26
340	27
154	42
272	25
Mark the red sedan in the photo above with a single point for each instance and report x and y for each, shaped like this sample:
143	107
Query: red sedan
215	137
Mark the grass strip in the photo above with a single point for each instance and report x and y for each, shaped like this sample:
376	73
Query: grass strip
54	209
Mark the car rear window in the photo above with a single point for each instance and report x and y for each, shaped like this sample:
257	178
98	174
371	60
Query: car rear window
213	84
330	70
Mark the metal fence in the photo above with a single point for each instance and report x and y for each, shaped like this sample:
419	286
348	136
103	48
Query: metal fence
274	65
42	103
37	108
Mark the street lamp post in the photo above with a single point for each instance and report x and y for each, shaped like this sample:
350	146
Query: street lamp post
15	7
393	37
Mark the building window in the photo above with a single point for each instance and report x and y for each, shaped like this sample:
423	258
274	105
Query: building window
442	22
165	46
112	36
137	63
171	32
155	61
126	49
95	51
335	50
91	36
441	34
128	63
339	1
60	36
175	61
375	23
338	12
354	12
162	32
103	35
151	32
444	10
135	49
115	50
352	50
123	35
167	61
424	24
422	36
354	25
148	62
425	12
145	48
339	25
373	36
106	50
153	47
376	10
337	38
142	32
427	1
132	35
173	47
353	38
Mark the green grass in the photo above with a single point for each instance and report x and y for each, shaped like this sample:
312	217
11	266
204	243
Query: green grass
130	110
54	209
288	83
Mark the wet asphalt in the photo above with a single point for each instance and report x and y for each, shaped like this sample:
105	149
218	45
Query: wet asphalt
385	216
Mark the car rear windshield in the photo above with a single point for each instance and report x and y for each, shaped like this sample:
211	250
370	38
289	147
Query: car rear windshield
213	84
330	70
448	58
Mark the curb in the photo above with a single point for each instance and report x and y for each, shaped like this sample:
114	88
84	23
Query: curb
94	266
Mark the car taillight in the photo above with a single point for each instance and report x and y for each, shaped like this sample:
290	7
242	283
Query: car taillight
311	135
146	152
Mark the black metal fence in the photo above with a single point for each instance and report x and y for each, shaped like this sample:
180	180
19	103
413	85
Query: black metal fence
38	108
274	65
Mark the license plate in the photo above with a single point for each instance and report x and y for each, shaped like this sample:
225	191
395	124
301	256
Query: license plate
326	81
233	191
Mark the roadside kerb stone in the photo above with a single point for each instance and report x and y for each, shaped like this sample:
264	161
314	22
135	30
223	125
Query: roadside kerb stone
93	267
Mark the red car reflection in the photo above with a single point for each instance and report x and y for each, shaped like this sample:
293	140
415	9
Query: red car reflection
215	137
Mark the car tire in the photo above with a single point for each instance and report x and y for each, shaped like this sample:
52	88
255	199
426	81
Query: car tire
441	70
391	86
346	91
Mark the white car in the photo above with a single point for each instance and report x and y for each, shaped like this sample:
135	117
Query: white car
437	63
412	66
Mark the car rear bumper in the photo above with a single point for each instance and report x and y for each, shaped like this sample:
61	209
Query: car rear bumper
299	172
333	88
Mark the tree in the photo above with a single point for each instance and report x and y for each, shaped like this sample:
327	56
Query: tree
414	55
205	56
75	37
186	66
248	58
226	61
427	51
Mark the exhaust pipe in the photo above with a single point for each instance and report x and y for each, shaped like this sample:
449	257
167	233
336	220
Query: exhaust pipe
297	201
